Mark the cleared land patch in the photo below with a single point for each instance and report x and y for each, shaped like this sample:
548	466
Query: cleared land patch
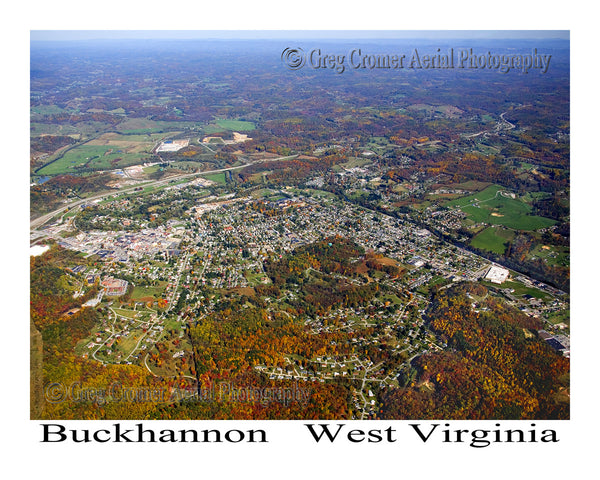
496	206
236	125
107	152
493	239
216	177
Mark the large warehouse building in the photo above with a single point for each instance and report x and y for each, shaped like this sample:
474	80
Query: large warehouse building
497	274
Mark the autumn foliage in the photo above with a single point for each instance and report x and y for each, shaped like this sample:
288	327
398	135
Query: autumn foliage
498	368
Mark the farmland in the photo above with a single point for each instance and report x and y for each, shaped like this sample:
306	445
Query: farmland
493	239
236	125
109	151
147	126
216	177
496	206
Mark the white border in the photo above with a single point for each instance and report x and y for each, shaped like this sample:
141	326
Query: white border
289	455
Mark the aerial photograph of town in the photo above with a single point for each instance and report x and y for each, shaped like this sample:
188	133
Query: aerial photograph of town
300	227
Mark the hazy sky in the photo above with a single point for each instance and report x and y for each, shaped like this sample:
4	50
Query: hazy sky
63	35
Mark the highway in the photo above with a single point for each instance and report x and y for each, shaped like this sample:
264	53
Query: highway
40	221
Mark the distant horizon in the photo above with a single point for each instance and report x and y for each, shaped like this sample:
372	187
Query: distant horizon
94	35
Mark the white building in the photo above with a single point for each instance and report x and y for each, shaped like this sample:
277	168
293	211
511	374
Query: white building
497	274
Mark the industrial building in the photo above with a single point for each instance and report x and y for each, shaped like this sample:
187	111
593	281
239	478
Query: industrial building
497	274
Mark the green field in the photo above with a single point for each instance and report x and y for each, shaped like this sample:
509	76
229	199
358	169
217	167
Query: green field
313	193
152	169
125	313
562	316
531	196
553	254
125	345
47	110
255	278
216	177
351	163
263	193
493	239
236	125
393	299
93	157
492	207
142	292
107	152
144	125
520	289
487	149
87	128
52	129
